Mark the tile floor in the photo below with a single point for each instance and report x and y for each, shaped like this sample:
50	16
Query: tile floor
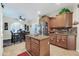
54	50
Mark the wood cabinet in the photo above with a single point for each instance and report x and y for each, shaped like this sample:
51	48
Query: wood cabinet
27	44
37	47
52	22
58	40
60	21
64	41
72	42
45	19
53	39
44	47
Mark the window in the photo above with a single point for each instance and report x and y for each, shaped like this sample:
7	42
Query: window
5	26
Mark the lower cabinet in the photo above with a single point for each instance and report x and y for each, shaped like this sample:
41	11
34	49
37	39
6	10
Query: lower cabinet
64	41
53	39
58	40
72	42
37	47
27	44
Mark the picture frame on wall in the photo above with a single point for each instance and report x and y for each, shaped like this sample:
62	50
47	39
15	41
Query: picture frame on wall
25	26
5	26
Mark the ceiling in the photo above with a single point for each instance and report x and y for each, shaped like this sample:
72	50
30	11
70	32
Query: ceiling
32	10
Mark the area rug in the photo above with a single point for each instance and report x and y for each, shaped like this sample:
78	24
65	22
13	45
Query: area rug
23	54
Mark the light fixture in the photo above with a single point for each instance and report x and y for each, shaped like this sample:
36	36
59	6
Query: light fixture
2	5
21	18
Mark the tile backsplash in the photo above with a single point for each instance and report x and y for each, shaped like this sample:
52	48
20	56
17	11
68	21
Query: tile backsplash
72	30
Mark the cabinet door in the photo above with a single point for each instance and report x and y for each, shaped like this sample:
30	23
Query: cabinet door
55	23
28	43
52	22
60	21
68	20
35	47
53	39
71	42
64	41
58	41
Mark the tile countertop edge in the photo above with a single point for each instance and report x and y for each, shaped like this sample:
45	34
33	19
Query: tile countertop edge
39	37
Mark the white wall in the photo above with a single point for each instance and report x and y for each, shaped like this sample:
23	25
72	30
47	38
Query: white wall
1	33
10	21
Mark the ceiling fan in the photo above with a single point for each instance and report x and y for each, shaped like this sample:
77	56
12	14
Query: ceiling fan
2	5
21	18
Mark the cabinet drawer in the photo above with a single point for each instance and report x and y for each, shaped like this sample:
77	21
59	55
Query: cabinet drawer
64	37
27	40
53	37
35	41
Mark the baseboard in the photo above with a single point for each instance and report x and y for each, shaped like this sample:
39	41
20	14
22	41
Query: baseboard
6	40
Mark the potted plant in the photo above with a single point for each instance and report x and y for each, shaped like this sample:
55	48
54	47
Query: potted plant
64	10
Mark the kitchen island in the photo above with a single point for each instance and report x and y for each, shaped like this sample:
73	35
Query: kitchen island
37	45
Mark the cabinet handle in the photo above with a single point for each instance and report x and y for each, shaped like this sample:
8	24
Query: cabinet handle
62	39
52	39
57	40
48	42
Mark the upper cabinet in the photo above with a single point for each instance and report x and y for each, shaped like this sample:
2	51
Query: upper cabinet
52	22
61	21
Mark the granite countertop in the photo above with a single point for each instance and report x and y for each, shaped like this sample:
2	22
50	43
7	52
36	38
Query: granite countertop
64	33
39	37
